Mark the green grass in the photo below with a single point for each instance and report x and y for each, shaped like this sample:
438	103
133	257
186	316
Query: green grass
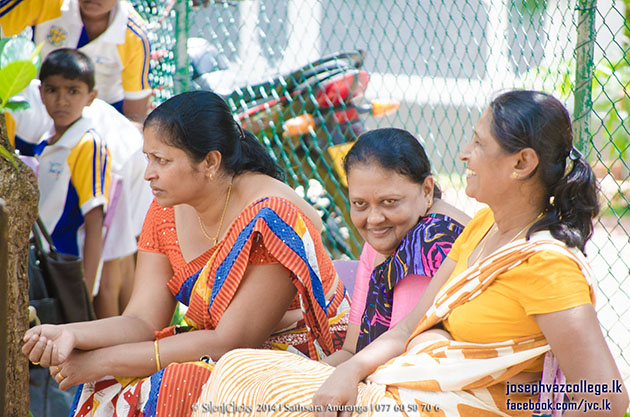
615	210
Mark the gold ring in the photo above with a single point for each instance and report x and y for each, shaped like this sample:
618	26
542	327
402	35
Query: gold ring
61	377
35	363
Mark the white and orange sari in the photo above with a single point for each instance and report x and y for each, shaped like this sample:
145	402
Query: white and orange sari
434	378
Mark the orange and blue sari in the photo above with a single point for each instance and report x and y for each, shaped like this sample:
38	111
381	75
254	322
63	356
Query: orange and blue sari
270	230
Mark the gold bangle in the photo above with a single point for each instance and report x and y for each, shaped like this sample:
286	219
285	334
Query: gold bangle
157	355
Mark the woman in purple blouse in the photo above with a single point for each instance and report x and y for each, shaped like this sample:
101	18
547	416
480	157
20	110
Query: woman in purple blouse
408	231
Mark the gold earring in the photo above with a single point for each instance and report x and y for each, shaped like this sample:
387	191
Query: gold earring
211	177
514	175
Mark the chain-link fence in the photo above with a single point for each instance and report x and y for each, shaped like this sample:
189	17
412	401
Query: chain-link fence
610	154
278	64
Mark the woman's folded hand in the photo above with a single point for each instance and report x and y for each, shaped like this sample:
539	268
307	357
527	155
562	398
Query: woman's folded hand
339	389
48	345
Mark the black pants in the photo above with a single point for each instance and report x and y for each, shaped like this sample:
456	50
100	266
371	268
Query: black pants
47	400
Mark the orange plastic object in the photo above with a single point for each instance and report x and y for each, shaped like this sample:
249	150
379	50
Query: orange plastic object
299	125
384	107
337	153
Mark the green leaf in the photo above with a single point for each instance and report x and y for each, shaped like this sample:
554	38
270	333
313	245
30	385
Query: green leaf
14	78
19	49
36	58
5	153
15	106
19	63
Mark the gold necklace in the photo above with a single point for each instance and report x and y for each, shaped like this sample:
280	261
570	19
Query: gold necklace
487	237
215	239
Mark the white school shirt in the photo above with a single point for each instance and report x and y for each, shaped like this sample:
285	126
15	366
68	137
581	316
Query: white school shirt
120	55
124	142
73	178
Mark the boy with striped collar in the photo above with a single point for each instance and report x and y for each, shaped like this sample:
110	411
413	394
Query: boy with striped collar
74	162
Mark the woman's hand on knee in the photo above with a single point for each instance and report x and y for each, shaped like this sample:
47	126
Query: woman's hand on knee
340	389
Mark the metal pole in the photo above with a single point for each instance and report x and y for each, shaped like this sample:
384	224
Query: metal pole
182	75
583	100
4	277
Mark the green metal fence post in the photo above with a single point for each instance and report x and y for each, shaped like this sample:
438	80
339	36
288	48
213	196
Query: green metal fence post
181	77
583	100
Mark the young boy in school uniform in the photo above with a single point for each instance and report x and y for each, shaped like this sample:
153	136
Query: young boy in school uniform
74	162
126	215
110	32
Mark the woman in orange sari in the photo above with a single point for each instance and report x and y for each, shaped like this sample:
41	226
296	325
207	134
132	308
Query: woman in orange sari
225	237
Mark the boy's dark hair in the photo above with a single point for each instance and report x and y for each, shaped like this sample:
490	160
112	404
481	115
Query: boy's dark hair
70	64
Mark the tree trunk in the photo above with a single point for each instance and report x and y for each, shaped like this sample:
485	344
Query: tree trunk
18	187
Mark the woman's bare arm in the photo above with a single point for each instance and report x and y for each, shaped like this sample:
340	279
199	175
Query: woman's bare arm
150	308
341	386
577	342
259	303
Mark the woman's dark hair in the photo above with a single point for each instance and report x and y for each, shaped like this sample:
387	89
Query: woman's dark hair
394	149
71	64
532	119
199	122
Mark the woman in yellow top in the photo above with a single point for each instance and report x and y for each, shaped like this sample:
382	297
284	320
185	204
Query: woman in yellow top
514	287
